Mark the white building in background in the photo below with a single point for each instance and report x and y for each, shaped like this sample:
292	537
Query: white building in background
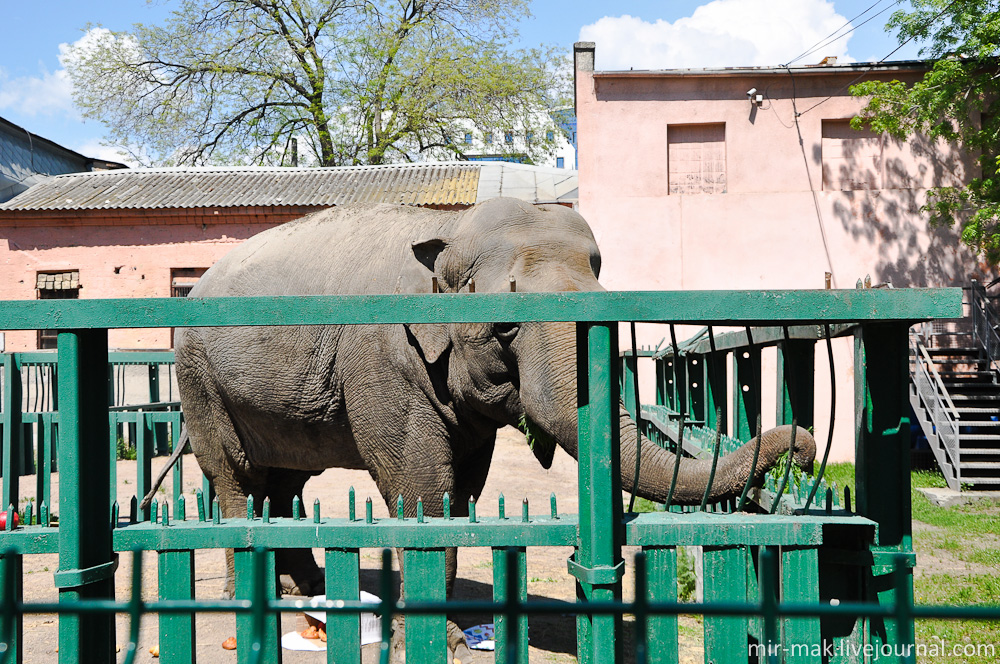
514	145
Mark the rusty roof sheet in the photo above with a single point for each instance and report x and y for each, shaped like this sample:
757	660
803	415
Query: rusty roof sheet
451	183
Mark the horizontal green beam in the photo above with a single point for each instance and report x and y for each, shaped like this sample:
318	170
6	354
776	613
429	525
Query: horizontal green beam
651	529
691	307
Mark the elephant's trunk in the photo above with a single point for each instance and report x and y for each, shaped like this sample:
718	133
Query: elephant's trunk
656	466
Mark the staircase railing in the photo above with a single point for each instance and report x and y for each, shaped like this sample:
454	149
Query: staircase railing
934	403
984	323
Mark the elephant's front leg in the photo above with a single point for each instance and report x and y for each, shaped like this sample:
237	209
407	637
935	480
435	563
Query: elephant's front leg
466	481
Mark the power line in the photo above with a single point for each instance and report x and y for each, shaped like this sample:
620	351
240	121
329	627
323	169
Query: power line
834	36
875	64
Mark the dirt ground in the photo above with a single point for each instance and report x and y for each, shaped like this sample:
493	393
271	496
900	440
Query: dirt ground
515	473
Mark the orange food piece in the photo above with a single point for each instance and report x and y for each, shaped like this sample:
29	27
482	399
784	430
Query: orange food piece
322	635
309	632
230	643
155	651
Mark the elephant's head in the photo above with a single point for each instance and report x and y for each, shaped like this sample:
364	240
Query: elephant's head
510	371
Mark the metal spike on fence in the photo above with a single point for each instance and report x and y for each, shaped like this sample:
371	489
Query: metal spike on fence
446	505
552	505
524	510
368	510
350	504
847	499
28	515
43	513
501	508
296	508
165	518
472	510
399	506
472	285
420	509
836	495
250	507
181	509
216	512
829	501
200	500
316	514
155	516
266	511
513	284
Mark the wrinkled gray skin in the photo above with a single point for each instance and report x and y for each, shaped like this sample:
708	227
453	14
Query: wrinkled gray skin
418	406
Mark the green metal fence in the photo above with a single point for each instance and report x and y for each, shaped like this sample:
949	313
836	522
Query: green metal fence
833	579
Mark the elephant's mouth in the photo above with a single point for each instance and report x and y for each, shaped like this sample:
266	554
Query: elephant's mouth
541	443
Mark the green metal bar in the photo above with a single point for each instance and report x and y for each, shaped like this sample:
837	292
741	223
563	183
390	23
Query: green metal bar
143	459
796	382
598	562
501	581
714	375
694	375
11	592
800	584
661	584
882	470
688	307
113	423
746	392
12	432
426	636
248	629
48	435
724	581
86	559
175	435
343	583
177	632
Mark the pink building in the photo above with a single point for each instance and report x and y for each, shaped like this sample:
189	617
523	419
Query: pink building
751	178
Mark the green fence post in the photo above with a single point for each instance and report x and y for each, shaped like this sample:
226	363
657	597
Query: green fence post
746	392
715	391
500	584
882	462
175	435
800	584
143	459
725	581
598	563
628	367
796	382
12	431
426	635
695	379
177	630
661	630
245	622
12	571
86	558
343	582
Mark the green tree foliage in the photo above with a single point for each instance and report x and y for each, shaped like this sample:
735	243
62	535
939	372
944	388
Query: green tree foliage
956	100
354	81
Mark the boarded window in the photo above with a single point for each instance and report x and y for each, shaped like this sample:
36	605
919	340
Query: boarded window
852	158
696	158
55	286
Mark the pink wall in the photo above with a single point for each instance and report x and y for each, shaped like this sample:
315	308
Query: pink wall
775	226
125	253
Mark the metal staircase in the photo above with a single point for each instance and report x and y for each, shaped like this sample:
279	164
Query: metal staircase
955	393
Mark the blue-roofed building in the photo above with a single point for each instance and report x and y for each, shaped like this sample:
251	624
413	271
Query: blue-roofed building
27	159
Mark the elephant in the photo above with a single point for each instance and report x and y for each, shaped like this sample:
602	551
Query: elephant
417	406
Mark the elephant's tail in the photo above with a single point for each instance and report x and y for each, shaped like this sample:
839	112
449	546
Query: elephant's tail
178	450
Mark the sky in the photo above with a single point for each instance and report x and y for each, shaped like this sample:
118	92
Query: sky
36	94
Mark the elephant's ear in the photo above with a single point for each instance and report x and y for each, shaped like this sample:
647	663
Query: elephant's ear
432	339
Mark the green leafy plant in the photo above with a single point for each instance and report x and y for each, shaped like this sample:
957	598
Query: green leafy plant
686	578
125	451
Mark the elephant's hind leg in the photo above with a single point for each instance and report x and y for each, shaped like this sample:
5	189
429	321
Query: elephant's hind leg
297	569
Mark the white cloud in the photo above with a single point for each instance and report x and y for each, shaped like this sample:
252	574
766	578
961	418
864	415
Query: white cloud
48	94
722	33
97	149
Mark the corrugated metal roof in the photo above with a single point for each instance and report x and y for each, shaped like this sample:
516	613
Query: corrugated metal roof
412	184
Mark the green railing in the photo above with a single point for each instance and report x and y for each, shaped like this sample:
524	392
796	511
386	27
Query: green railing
770	580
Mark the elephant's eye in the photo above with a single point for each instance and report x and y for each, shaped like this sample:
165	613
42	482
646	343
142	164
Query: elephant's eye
506	331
